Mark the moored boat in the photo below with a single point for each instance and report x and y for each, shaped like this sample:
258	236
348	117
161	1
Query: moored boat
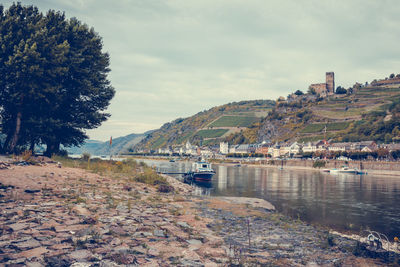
346	169
201	172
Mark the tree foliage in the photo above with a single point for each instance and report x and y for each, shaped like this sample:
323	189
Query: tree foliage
298	92
340	90
54	79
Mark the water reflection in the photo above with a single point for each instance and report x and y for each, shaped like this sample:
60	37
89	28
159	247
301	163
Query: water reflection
222	177
201	189
342	201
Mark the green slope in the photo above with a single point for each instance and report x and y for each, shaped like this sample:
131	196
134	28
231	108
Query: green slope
235	121
201	127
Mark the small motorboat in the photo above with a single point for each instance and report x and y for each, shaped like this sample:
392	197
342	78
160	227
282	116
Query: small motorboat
345	169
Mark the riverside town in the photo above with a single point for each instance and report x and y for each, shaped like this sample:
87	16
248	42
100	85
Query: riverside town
199	133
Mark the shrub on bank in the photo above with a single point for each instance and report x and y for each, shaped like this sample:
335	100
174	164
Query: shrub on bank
319	164
129	168
163	188
149	176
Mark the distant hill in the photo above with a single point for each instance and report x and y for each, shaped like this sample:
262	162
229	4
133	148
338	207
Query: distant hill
119	145
210	126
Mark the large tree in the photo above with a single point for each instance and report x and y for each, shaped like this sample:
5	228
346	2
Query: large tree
55	79
18	68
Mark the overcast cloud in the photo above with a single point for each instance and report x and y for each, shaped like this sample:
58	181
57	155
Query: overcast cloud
172	59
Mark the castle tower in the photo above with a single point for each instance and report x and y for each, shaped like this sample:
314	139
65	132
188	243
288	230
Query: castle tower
330	83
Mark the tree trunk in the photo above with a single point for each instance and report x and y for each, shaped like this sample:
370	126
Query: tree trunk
32	147
52	148
15	137
5	144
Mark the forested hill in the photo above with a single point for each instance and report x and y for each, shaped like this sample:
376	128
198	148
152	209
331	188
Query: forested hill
210	126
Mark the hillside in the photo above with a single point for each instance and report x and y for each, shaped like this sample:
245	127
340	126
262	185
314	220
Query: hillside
364	113
370	113
119	145
210	126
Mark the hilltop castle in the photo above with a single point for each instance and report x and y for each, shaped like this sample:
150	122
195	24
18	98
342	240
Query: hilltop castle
327	88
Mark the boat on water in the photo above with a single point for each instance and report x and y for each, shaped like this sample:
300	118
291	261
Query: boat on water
201	172
346	169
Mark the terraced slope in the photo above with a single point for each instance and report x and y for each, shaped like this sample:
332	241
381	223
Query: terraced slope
208	127
368	114
234	121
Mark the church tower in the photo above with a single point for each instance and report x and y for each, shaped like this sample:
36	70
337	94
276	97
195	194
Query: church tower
330	83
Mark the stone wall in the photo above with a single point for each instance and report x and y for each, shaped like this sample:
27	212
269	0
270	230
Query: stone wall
320	88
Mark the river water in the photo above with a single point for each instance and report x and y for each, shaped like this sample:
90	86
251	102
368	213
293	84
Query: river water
344	202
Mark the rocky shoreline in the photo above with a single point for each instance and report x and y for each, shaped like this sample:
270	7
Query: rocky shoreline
52	216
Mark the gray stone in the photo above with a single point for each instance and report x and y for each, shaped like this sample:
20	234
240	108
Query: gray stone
122	207
194	242
159	233
31	243
81	264
108	263
81	254
18	226
117	230
16	261
183	224
34	264
188	262
139	250
115	242
139	234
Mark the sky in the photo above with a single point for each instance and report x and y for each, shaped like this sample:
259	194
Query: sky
174	58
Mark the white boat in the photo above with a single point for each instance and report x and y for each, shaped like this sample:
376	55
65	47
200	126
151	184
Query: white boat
345	169
201	172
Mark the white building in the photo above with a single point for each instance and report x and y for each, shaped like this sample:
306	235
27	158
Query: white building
310	147
339	147
206	153
294	148
223	148
164	151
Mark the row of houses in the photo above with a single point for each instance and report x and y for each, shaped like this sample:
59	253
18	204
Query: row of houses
295	148
275	150
187	149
